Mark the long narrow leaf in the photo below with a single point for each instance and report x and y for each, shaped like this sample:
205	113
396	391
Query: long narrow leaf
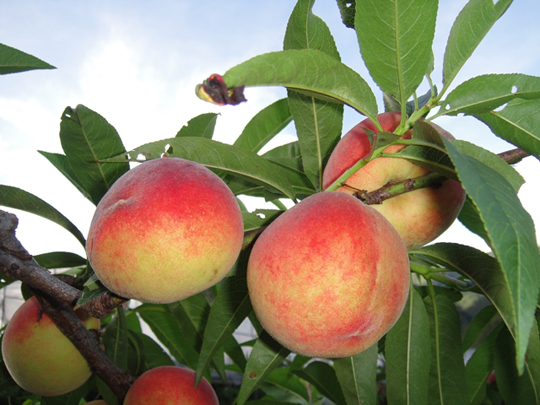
309	71
318	123
395	41
230	308
487	92
13	61
323	377
216	155
14	197
512	233
518	123
266	124
86	139
470	27
407	349
266	355
480	366
202	125
116	341
164	326
62	164
357	377
447	372
518	389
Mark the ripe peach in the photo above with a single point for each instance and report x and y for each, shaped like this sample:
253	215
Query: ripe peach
170	385
37	354
165	230
419	216
329	277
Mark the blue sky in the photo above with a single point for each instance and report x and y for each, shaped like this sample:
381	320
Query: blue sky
137	63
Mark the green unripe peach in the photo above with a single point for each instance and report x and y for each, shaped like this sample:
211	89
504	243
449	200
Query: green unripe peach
37	354
165	230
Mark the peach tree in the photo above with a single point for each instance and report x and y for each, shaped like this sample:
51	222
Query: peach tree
421	358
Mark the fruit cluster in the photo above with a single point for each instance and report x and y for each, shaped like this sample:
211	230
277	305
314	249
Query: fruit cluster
328	278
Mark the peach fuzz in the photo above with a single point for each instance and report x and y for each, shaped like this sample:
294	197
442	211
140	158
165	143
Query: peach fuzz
37	354
419	216
329	277
170	385
167	229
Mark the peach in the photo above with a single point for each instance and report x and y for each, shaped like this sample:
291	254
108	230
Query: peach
170	385
167	229
37	354
419	216
329	277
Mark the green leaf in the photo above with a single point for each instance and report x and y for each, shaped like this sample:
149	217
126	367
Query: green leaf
490	159
518	389
22	200
512	235
347	8
219	156
264	126
105	391
284	379
407	352
485	93
470	27
115	339
395	40
318	123
62	164
192	314
59	260
166	329
266	355
136	357
259	218
154	355
518	123
470	218
87	138
447	372
486	319
482	269
357	377
202	125
14	61
309	71
480	366
230	308
323	377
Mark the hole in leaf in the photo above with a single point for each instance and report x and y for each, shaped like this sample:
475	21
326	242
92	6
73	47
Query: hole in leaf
261	215
514	89
500	108
447	107
141	157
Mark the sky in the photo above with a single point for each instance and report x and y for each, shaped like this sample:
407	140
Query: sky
137	63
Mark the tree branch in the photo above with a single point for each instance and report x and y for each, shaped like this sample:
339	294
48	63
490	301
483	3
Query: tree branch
393	189
17	263
56	298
